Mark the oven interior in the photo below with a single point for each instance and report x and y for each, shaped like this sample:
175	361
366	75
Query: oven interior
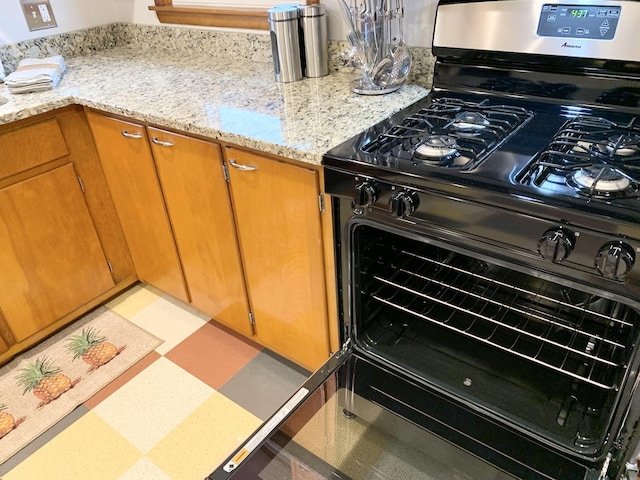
545	357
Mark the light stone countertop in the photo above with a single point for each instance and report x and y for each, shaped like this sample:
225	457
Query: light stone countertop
240	103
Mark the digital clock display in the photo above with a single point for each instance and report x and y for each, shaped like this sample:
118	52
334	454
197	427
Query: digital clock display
592	22
579	13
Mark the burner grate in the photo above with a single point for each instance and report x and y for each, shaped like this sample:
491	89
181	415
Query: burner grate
594	156
476	129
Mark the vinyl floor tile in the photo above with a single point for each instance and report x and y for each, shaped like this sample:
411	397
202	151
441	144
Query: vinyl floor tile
133	300
145	469
88	450
153	403
168	321
122	379
213	345
264	384
43	439
168	408
204	439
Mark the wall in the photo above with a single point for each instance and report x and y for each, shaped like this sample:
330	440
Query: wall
418	26
78	14
70	14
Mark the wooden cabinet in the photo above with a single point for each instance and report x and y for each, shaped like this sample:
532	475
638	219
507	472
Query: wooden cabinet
130	170
62	251
248	250
197	200
279	226
52	260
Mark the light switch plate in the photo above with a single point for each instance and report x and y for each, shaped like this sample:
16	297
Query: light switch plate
38	14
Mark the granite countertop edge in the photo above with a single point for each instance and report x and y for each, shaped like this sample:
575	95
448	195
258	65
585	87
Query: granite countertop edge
238	102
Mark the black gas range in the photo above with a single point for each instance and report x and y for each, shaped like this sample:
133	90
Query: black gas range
486	240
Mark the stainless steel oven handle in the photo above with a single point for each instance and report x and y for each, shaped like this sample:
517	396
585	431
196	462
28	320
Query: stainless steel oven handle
239	166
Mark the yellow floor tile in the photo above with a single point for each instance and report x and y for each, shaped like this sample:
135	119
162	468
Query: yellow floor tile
145	469
89	449
204	439
133	301
170	321
153	403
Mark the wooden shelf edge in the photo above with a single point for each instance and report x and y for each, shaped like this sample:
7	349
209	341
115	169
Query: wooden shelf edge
212	17
254	19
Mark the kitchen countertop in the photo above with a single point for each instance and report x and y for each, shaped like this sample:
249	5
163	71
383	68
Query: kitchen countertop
237	102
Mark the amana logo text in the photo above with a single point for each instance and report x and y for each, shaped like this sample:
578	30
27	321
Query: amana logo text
569	45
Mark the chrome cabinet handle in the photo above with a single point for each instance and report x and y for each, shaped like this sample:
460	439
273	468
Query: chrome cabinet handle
131	135
161	143
246	168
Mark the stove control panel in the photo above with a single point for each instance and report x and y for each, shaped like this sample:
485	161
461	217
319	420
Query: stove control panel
570	247
594	29
596	22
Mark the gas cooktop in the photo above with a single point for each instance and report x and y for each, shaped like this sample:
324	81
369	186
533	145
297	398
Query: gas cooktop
552	153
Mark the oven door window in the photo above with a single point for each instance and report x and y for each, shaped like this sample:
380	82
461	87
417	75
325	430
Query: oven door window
340	433
547	358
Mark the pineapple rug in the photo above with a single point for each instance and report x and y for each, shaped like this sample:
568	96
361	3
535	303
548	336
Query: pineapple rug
44	384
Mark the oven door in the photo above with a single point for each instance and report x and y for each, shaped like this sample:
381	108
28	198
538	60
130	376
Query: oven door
356	419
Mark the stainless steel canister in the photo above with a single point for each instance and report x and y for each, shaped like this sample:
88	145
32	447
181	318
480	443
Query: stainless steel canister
285	43
313	22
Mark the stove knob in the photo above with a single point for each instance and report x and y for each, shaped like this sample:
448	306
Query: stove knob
614	260
403	203
366	194
556	244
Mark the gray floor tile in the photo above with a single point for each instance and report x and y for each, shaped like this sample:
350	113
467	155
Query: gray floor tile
43	439
264	384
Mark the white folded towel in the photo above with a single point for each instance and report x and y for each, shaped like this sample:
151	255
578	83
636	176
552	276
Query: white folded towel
35	74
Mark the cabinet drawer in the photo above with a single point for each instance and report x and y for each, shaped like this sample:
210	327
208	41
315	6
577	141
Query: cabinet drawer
31	146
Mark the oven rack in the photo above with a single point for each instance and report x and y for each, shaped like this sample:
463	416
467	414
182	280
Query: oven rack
585	340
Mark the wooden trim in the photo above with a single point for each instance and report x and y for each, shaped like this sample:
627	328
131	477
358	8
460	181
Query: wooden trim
213	17
330	270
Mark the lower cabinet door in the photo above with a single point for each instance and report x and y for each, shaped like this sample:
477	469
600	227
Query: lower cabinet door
280	232
199	207
51	258
131	174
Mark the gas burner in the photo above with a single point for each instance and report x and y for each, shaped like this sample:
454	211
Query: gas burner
445	106
599	181
448	132
436	148
470	122
624	145
596	157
